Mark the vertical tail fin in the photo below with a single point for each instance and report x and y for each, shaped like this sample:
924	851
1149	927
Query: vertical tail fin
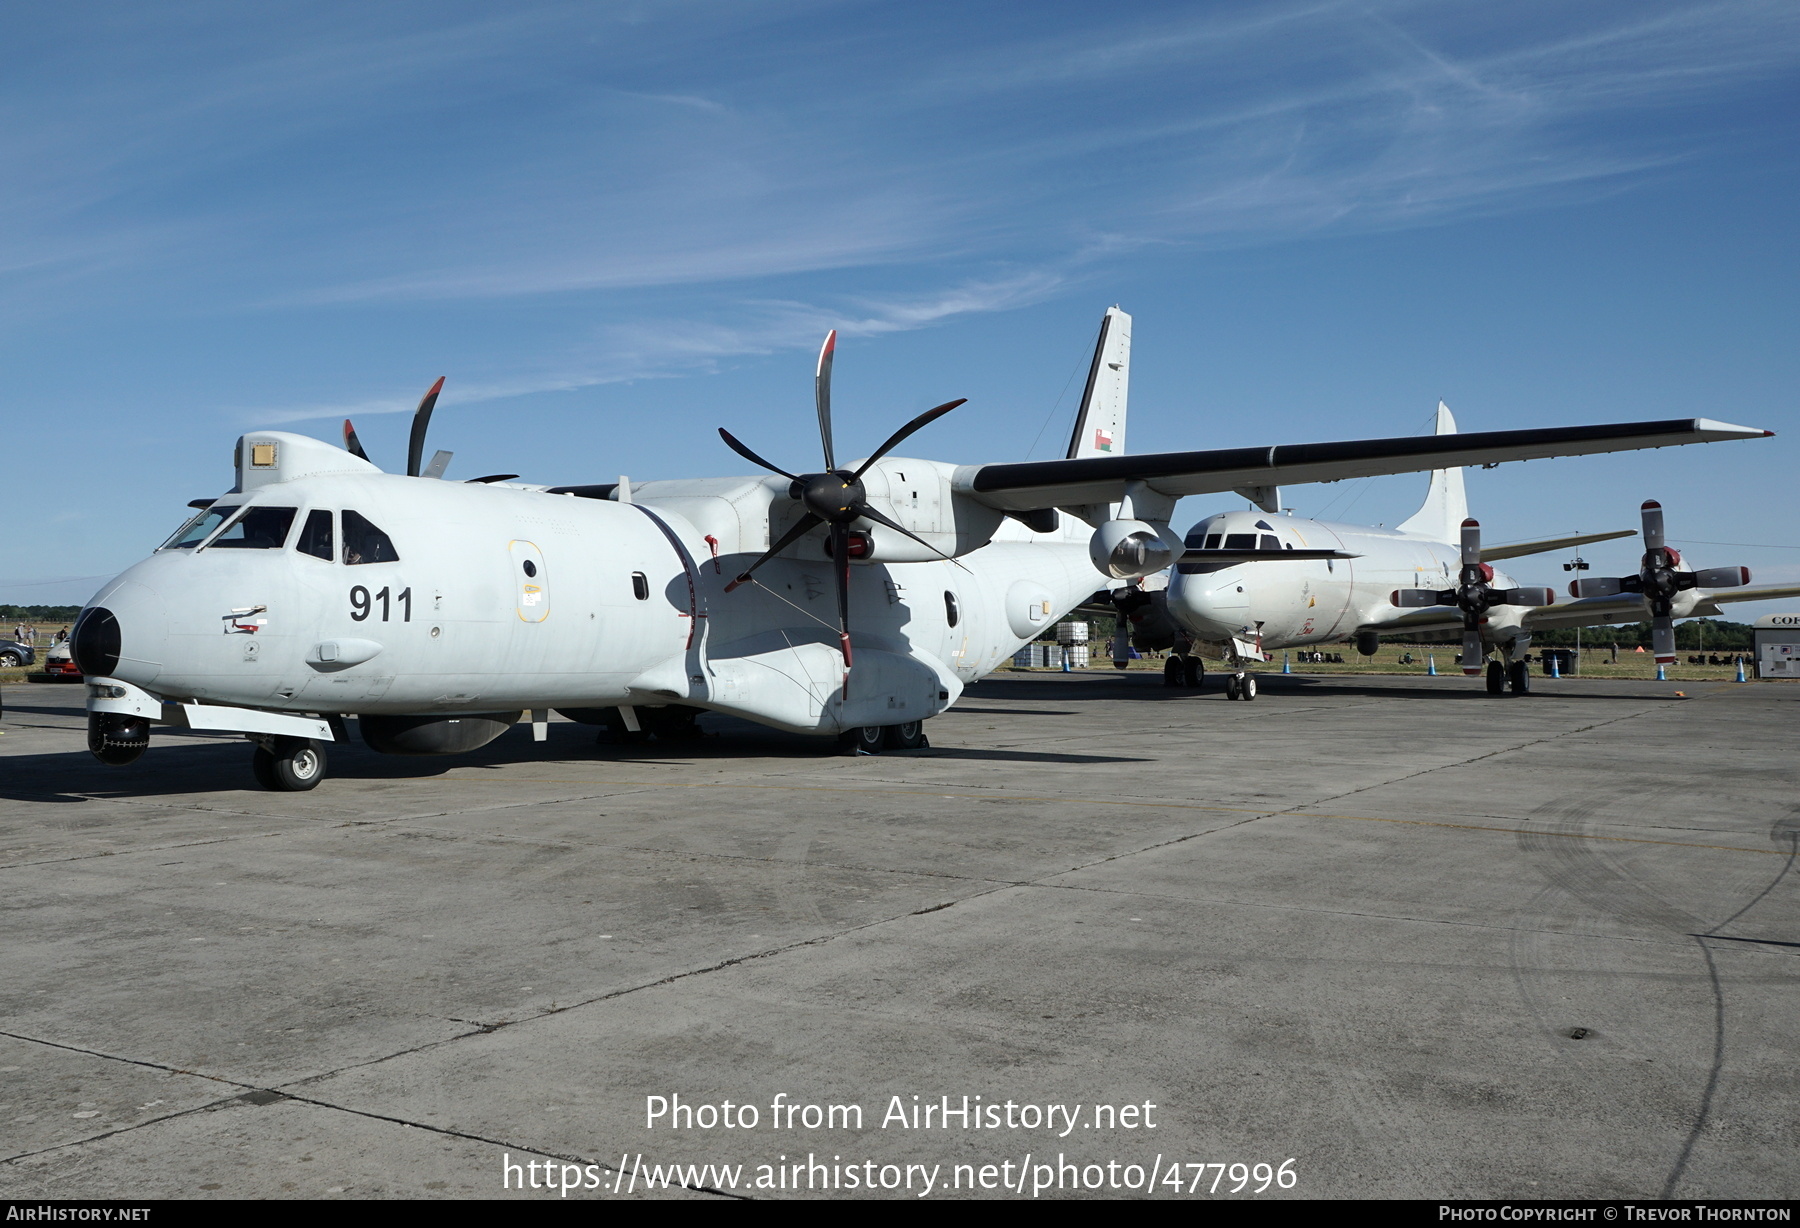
1100	423
1446	506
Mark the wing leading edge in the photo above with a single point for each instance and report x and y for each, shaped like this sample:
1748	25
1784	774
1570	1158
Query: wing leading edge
1028	485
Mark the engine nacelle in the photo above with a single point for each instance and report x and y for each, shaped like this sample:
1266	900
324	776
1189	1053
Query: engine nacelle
434	735
1132	549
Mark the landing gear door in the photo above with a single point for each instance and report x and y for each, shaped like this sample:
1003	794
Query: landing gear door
531	581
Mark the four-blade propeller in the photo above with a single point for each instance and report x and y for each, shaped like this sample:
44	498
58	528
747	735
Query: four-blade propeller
1474	595
1658	580
835	498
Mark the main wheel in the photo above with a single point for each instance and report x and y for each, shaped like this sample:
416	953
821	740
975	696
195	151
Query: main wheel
1247	688
910	736
1496	678
1193	671
1519	677
1172	671
864	739
294	765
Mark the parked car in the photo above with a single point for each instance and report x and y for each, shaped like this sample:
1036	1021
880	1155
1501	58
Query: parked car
59	663
13	653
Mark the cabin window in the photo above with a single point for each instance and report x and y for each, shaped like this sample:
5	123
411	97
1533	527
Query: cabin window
315	535
1240	541
259	528
365	543
198	528
950	613
1270	542
640	586
1212	541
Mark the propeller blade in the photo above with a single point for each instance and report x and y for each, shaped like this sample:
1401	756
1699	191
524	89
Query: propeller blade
840	555
1662	638
440	461
732	443
869	513
1653	525
1471	653
793	535
415	448
822	393
1471	542
924	419
352	444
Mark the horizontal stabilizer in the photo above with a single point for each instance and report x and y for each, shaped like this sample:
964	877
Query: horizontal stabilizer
1518	550
1103	479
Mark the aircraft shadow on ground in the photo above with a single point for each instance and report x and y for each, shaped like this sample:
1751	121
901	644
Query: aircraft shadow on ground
1149	688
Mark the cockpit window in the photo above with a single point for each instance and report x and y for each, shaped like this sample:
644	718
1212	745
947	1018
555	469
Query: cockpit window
1240	541
259	528
315	535
199	527
1269	542
1212	541
364	543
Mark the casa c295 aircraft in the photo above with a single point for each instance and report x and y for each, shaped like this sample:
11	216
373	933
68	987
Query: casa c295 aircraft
854	600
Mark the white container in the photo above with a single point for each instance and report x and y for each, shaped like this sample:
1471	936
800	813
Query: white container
1078	656
1022	658
1071	633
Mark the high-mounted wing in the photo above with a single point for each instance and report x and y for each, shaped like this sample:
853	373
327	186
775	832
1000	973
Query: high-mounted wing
1028	485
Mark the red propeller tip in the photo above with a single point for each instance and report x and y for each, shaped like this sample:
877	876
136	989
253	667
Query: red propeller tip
1471	523
1648	504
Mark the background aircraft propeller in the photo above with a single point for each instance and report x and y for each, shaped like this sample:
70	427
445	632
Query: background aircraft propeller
1658	579
1474	595
835	498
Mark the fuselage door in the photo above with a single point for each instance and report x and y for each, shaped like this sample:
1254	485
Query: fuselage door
531	581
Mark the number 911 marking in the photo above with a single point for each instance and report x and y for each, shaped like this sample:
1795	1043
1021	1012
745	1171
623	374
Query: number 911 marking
362	604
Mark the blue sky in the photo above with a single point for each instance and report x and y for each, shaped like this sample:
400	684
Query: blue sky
616	227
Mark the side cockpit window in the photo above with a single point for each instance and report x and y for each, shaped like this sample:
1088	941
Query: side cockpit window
199	527
364	543
315	535
259	528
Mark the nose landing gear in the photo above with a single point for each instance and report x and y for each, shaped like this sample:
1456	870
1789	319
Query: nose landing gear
1241	686
288	765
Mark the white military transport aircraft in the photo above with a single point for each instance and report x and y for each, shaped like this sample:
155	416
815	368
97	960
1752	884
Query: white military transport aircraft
856	600
1253	582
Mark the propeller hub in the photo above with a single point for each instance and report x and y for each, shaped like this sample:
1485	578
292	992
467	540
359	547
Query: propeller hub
835	497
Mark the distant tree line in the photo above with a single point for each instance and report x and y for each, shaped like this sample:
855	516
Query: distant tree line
1693	635
39	613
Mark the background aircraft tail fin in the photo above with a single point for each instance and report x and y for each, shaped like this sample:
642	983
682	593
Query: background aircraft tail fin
1446	506
1100	422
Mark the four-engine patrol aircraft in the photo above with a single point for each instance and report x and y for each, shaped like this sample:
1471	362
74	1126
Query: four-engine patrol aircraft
1253	582
857	600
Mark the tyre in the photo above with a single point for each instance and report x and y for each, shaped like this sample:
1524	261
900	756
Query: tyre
293	765
1172	671
864	739
1247	688
1496	678
11	660
1234	687
1193	671
910	736
1519	677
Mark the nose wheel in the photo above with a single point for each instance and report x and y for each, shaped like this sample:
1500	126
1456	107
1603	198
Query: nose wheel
1241	686
288	765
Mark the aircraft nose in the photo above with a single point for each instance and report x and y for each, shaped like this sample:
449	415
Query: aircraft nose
123	637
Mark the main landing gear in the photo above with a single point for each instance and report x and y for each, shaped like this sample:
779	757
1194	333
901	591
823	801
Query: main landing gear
1241	685
873	739
288	765
1513	675
1184	669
